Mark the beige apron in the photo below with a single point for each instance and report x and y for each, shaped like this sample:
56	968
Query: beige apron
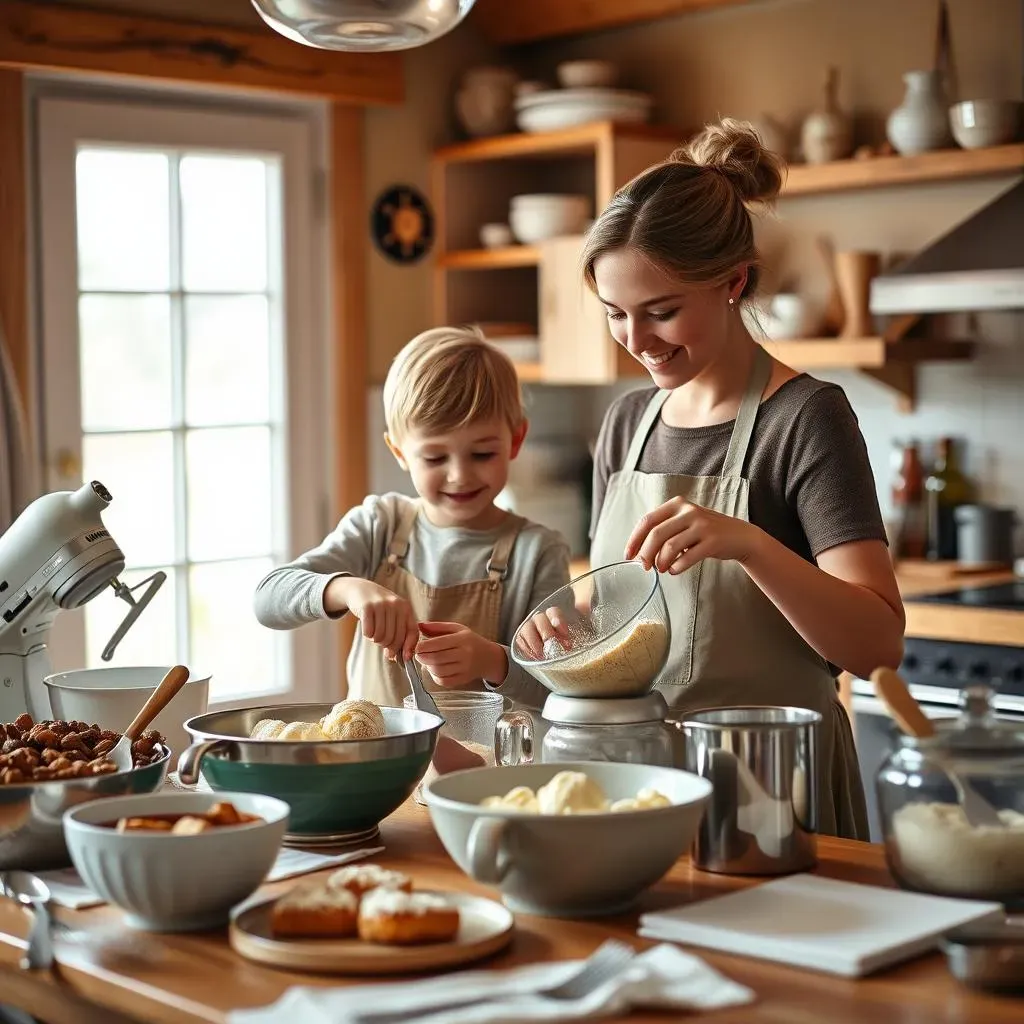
730	645
475	604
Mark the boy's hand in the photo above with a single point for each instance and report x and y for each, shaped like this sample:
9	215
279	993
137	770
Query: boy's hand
457	657
387	619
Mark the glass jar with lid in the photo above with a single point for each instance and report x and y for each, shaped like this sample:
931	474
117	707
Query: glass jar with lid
931	843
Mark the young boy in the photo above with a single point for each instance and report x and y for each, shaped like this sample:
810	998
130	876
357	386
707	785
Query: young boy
447	577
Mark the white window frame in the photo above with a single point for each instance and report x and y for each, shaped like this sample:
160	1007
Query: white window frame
166	121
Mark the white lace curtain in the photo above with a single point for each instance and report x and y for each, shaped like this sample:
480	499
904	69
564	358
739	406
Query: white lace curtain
19	466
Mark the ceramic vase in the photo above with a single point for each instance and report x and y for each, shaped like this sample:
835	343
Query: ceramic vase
485	101
921	122
827	134
854	271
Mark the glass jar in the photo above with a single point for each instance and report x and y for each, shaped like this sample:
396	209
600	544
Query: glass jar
469	717
628	731
930	843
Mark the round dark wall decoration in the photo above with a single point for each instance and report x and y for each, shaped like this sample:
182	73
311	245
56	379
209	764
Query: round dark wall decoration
402	224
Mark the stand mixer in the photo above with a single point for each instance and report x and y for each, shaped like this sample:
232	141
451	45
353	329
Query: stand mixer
57	554
602	645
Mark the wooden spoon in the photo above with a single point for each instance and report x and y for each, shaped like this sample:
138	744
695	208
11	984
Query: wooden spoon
900	703
166	691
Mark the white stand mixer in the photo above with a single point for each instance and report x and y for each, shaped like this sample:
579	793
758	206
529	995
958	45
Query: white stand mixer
57	554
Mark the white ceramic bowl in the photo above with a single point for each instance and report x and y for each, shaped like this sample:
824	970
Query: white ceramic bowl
567	108
582	865
789	317
495	236
979	123
538	217
174	883
587	74
112	697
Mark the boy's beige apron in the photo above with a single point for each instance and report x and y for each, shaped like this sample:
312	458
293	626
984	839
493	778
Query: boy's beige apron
475	604
730	645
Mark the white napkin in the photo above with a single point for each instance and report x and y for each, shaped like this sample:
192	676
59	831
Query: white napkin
664	977
68	889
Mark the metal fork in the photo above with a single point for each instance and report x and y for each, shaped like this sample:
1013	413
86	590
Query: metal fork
608	961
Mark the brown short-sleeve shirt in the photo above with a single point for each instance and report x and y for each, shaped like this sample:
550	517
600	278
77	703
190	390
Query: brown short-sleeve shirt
811	485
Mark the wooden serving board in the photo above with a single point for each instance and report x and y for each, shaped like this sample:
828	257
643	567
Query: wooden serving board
485	928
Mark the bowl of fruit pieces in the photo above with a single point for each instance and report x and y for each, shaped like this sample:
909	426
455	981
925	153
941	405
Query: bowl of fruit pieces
176	861
48	767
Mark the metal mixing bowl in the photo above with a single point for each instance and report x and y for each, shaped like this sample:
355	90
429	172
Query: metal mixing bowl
615	640
338	790
31	829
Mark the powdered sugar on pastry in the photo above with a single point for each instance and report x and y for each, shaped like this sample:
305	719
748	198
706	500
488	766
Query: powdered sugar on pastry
386	902
361	878
319	897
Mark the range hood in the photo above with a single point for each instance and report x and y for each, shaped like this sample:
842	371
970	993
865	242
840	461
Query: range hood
978	265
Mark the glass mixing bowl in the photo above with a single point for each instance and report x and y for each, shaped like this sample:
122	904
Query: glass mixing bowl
605	634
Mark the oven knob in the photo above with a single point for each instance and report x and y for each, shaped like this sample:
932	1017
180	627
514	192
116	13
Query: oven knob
979	670
911	663
1014	674
945	666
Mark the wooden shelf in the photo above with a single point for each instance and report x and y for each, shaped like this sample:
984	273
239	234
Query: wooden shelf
863	353
882	171
490	259
584	138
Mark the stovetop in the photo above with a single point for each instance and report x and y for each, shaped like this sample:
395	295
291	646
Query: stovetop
1002	596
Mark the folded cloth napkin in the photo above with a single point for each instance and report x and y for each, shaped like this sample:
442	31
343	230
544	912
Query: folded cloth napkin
664	977
68	889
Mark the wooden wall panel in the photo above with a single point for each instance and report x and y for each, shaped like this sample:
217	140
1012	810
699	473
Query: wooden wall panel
13	225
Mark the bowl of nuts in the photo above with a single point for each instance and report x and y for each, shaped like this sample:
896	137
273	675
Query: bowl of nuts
48	767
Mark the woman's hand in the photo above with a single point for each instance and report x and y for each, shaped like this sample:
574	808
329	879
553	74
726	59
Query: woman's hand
457	657
387	619
679	534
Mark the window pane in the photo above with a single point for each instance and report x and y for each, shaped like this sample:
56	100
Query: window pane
229	493
224	223
123	200
138	470
227	351
226	638
150	641
125	361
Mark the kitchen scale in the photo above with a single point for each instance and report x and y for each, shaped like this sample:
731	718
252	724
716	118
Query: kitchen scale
599	644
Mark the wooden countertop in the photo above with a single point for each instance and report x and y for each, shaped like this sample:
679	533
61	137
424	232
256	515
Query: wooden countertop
937	621
184	979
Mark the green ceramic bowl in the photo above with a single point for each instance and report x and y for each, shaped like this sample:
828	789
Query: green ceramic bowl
338	791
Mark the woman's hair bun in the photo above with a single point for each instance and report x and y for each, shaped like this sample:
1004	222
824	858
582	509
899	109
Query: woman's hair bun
734	149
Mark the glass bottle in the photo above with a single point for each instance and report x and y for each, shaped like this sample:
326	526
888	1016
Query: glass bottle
908	500
945	488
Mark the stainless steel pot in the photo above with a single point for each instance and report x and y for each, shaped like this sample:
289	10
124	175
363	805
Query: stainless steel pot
762	817
31	826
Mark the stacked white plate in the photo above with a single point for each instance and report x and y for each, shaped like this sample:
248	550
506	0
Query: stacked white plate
565	108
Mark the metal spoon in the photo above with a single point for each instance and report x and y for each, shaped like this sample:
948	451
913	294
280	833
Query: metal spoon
899	702
424	702
166	691
33	892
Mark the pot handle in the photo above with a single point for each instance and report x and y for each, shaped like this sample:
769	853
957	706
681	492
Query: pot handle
513	739
191	759
488	860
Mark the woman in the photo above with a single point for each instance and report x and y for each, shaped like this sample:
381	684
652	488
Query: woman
745	483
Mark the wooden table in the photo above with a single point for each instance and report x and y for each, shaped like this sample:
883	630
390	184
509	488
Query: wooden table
181	979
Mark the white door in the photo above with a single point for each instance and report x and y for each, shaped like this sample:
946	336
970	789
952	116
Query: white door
179	267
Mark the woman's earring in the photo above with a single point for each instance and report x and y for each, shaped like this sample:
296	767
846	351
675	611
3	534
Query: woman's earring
732	302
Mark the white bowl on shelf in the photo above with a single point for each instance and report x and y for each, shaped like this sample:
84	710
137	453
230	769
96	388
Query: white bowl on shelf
496	236
789	317
587	74
979	123
568	108
537	217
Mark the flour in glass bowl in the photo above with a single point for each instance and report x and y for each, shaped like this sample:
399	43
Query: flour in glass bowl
620	669
938	850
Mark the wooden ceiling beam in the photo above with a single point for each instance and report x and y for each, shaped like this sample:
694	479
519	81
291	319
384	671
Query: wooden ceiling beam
42	36
506	22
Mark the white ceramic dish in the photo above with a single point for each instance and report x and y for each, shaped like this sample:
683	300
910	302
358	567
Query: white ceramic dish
175	882
537	217
587	74
495	236
979	123
582	865
519	350
112	697
567	108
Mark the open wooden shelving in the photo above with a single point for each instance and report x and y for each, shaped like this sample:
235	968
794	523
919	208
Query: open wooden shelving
864	353
490	259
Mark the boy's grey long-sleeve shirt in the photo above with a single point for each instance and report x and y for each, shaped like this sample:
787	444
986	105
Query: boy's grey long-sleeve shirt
293	595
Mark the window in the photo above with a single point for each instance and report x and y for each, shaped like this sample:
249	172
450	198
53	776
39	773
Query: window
179	371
